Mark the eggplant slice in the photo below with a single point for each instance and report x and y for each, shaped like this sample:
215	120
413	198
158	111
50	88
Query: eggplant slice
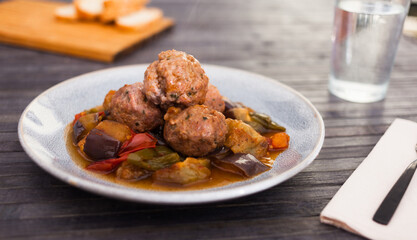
105	140
98	145
243	164
84	125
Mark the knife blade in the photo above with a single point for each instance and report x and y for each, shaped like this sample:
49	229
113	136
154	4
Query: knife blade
388	206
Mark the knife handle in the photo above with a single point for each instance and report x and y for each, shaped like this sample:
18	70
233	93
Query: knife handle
387	208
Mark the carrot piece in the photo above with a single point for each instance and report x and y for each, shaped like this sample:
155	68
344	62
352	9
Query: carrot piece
108	165
279	141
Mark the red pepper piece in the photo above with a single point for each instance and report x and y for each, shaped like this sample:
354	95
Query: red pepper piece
138	142
108	165
77	116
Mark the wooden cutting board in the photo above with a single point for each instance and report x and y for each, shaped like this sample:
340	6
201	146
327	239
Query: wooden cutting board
31	23
410	26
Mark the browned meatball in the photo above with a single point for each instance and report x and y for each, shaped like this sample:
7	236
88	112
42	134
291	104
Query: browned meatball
214	99
194	131
176	79
129	106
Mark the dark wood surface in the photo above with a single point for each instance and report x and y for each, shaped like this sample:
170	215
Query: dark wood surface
286	40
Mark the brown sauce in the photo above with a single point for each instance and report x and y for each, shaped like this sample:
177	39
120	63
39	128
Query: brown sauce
218	177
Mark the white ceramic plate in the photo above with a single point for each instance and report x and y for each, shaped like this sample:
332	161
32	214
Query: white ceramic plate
42	124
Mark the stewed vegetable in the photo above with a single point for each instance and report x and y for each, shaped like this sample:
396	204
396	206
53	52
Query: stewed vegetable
130	172
105	140
192	170
84	125
262	123
242	138
242	164
279	141
98	145
266	122
138	156
107	100
137	142
133	134
154	158
135	156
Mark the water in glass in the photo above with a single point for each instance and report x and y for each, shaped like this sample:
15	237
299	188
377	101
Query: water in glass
365	41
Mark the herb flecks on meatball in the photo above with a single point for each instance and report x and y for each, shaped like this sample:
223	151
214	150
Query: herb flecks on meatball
130	106
175	79
195	131
214	99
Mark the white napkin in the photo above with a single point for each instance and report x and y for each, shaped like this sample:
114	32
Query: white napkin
354	205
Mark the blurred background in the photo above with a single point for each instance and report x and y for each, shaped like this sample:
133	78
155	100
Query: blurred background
269	37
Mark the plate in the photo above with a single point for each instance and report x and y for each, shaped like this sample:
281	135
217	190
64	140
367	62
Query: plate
42	125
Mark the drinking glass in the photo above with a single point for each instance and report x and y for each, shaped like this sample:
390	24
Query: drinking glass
365	40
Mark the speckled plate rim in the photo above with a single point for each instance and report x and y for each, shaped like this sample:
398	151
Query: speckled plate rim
172	197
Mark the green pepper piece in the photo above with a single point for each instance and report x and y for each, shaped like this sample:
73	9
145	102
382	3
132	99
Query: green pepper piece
141	155
260	118
257	126
266	122
158	162
150	159
147	153
275	126
163	150
265	117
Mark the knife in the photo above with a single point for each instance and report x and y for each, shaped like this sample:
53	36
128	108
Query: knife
387	208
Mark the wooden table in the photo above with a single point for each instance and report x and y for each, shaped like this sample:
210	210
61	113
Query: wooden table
286	40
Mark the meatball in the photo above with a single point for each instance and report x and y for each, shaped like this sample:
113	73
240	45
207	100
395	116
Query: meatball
107	100
176	79
194	131
130	106
213	99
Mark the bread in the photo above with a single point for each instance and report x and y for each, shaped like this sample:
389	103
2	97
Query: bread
128	14
89	9
67	13
139	20
113	9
